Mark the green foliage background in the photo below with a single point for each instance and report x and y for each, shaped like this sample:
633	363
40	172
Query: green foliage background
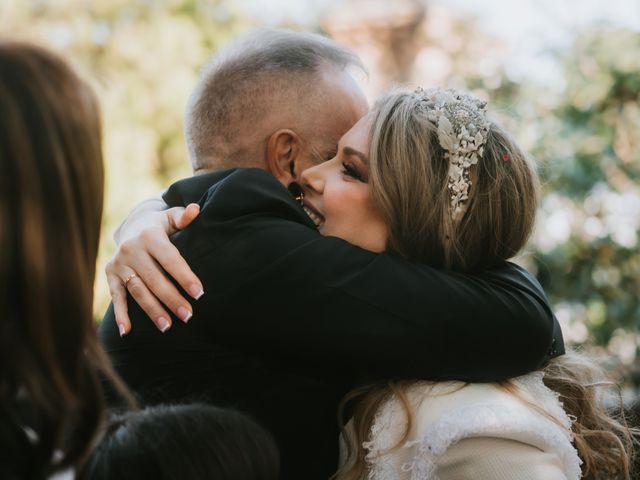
589	143
144	56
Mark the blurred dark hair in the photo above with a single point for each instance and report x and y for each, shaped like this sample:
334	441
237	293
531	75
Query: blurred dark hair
194	441
51	188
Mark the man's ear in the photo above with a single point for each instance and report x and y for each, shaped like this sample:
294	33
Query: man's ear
283	147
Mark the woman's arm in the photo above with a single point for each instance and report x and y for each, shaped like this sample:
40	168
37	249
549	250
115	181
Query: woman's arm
144	249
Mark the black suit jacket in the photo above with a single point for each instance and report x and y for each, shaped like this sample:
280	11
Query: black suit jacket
292	320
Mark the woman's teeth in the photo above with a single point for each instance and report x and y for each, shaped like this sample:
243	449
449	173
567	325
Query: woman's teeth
317	220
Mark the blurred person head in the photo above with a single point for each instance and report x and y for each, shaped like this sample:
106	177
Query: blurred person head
51	189
273	99
195	441
428	176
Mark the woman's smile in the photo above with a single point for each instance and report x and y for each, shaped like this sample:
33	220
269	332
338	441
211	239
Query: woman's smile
313	213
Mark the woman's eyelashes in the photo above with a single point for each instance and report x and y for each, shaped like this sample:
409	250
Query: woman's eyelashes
353	172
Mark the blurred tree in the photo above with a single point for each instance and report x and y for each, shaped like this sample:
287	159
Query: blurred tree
144	57
422	43
586	246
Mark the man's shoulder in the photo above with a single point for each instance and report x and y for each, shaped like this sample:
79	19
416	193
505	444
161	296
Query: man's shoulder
240	186
196	188
245	193
246	186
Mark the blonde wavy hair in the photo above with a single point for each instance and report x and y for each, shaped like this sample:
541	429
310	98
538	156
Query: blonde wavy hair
409	184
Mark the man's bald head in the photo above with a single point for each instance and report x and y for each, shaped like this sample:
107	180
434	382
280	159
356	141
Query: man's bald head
265	81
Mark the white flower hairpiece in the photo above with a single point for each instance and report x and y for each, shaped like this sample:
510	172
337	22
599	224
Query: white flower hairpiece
462	133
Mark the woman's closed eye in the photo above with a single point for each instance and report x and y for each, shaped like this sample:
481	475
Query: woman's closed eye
353	172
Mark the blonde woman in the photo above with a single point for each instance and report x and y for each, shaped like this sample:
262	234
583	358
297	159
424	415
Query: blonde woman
454	191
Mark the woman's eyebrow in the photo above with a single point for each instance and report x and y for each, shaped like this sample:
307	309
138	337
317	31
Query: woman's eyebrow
357	153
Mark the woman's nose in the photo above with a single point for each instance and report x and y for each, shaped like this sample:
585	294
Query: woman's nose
313	178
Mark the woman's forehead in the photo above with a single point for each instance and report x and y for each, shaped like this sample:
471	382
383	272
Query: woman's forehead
357	137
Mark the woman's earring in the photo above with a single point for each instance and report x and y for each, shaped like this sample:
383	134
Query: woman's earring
296	191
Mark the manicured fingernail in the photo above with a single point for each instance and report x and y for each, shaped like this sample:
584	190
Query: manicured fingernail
121	329
195	291
164	324
184	314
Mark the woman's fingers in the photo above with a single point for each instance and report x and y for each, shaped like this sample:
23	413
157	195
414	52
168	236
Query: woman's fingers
169	258
119	284
150	288
139	267
119	299
149	303
180	217
134	265
149	266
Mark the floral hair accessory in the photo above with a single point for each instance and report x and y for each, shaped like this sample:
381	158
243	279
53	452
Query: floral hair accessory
506	157
462	133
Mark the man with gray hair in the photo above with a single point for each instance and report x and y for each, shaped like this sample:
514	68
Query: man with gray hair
268	81
280	101
273	99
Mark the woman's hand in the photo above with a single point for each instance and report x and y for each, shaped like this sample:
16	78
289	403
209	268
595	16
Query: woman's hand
141	260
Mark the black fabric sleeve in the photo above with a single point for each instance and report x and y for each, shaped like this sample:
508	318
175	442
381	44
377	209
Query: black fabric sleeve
273	283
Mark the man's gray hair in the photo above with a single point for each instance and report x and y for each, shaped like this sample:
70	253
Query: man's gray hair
246	81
